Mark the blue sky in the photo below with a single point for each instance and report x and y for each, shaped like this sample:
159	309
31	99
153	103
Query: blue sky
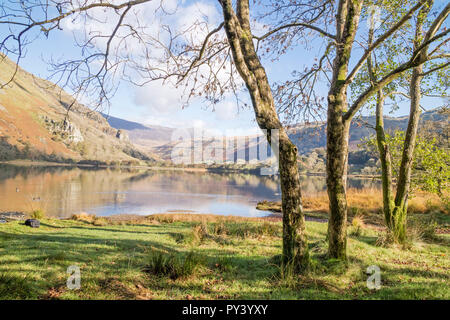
158	104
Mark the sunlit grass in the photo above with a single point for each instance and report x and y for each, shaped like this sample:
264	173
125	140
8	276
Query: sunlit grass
230	258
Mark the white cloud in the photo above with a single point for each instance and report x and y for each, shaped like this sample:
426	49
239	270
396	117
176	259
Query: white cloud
158	97
198	123
199	18
226	110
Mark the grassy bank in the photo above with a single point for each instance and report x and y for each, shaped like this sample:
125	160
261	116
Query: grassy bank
207	257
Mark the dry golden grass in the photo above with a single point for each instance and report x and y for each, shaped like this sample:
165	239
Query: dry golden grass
358	222
363	200
129	219
365	203
91	218
191	217
83	216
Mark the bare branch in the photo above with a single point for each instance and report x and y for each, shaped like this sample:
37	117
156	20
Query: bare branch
291	25
382	38
202	51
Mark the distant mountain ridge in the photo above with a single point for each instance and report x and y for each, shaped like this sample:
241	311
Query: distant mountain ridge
37	123
309	137
156	139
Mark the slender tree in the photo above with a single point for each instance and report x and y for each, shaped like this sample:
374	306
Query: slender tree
343	69
395	209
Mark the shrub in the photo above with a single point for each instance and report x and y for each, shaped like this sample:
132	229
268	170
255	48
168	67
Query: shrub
37	214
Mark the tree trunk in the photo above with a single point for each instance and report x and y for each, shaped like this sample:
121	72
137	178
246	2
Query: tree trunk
386	162
295	246
404	177
237	28
337	151
338	128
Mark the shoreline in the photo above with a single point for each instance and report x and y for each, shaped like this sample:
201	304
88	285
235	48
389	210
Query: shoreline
31	163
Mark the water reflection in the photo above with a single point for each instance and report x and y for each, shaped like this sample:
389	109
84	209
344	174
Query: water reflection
62	191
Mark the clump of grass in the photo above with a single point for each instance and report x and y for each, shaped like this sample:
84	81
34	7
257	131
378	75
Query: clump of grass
83	216
421	229
357	225
90	218
220	228
15	287
385	239
224	264
200	232
287	277
245	230
37	214
172	265
99	222
179	237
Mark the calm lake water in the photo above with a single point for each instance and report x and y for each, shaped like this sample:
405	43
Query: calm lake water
62	191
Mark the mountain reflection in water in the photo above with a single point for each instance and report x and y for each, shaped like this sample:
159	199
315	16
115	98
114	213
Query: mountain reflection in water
62	191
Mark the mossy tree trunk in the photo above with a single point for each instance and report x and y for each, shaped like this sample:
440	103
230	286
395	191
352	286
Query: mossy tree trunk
398	224
337	151
240	38
338	128
386	162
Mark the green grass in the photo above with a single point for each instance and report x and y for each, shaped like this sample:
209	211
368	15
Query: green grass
215	260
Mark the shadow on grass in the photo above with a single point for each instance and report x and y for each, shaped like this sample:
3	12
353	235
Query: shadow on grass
112	268
43	258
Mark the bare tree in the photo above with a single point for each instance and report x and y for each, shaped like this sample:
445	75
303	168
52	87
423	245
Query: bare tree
218	63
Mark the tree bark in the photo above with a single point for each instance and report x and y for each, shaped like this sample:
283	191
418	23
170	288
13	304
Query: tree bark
337	151
237	28
338	129
386	162
398	225
404	177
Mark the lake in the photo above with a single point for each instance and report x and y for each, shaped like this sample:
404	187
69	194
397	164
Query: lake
63	191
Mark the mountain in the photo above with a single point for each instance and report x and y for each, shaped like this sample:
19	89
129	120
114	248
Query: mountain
312	136
157	139
37	123
147	137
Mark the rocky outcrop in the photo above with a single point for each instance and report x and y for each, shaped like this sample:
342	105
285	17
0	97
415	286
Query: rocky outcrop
122	135
65	130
